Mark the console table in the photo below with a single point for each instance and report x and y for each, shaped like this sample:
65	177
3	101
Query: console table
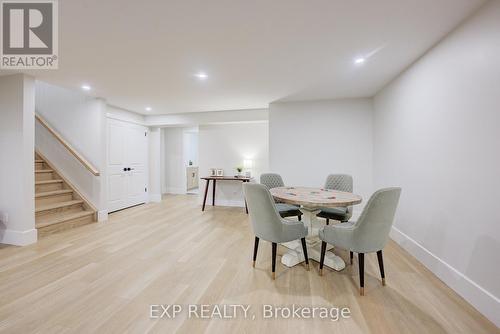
214	179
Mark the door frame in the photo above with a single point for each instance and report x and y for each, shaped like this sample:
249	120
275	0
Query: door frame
112	119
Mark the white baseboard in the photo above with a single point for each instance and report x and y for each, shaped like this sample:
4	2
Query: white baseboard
173	190
477	296
155	198
238	203
18	238
223	202
102	215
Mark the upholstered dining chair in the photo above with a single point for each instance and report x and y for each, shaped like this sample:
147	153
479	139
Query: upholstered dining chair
273	180
340	182
367	235
267	224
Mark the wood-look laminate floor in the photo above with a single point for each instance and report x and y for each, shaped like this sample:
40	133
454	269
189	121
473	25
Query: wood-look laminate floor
103	278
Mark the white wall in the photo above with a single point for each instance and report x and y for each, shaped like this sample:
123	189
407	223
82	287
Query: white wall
77	117
17	193
154	143
309	140
226	146
436	134
191	141
124	115
210	117
174	168
179	145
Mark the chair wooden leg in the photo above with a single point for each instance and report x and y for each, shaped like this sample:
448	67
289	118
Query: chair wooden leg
304	248
275	246
327	221
351	255
381	266
322	258
299	217
361	260
255	247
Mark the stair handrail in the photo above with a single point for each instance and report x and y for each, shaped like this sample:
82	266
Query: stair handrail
67	145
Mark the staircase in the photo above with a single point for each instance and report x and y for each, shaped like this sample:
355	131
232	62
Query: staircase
58	206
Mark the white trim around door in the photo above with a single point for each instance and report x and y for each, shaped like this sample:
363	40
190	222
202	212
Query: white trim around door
127	164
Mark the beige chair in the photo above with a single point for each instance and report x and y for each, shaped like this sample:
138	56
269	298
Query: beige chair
267	223
368	234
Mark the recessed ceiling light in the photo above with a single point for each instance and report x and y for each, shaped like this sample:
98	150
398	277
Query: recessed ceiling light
86	87
359	60
148	108
201	75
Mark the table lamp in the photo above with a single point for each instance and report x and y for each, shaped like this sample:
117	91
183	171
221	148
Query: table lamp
248	164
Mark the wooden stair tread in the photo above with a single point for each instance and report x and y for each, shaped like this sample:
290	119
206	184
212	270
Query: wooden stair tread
48	181
57	205
54	192
61	218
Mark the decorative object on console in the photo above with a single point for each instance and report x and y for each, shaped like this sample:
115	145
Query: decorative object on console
239	169
220	172
212	172
247	165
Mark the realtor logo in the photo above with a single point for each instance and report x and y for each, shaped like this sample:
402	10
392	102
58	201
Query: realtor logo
29	34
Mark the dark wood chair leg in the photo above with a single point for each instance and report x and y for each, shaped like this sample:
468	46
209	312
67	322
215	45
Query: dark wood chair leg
351	255
327	221
213	193
299	217
275	245
322	258
304	249
255	247
246	206
205	197
361	262
381	266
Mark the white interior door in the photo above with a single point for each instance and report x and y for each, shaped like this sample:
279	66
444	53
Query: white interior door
127	164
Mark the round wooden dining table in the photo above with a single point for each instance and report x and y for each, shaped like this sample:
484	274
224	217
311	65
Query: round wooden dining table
310	200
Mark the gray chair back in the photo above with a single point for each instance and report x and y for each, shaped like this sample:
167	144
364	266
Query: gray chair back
271	180
371	231
266	221
340	182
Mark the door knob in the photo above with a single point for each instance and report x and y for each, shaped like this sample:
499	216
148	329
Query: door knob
124	169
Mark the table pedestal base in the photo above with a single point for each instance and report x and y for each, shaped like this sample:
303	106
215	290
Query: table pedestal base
295	255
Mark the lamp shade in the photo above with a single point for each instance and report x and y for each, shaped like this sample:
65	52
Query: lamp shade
247	163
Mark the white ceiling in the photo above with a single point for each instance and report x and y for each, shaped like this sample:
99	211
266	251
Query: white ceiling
139	53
